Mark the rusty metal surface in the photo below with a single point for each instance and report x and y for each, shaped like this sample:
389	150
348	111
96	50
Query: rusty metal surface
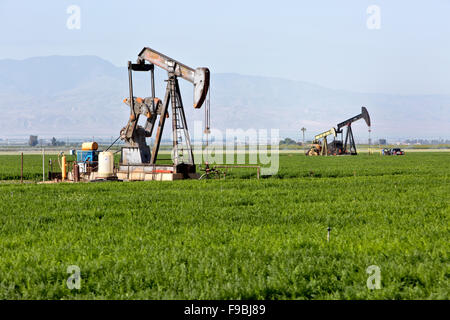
139	176
200	77
163	61
145	106
75	172
152	107
133	134
147	168
131	125
201	86
148	172
162	120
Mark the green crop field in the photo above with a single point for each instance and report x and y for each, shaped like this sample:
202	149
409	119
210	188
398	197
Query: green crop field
238	238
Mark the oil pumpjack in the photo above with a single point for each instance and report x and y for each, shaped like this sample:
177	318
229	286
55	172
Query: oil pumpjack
338	147
321	147
349	146
136	161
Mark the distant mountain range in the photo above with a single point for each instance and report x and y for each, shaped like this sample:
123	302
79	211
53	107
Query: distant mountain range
66	96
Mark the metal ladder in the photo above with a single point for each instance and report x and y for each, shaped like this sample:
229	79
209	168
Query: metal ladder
182	149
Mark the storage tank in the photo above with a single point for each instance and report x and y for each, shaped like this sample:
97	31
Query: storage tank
89	146
105	164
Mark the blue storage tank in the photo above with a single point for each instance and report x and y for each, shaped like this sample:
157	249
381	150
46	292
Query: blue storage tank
84	156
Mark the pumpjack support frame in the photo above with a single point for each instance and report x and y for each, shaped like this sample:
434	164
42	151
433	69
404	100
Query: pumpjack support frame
135	135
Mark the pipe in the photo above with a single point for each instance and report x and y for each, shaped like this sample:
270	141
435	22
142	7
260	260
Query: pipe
63	167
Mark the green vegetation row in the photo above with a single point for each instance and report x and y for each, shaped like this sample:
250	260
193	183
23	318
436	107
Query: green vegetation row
238	238
290	166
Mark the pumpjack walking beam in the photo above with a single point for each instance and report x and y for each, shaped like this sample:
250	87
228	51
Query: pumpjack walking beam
199	77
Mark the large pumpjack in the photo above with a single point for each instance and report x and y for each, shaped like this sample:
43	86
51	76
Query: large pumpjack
137	162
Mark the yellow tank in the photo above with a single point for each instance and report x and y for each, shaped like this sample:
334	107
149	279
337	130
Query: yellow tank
105	164
86	146
63	167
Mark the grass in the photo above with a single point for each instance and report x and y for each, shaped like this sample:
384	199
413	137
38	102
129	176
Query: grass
10	166
238	238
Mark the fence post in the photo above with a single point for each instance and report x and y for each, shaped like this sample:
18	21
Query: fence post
21	168
43	165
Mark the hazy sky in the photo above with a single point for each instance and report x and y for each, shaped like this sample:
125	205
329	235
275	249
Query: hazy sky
323	42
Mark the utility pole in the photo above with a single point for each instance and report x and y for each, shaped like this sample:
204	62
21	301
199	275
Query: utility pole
303	131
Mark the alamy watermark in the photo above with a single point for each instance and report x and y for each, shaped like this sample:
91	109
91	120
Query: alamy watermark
374	279
238	146
74	20
74	280
374	19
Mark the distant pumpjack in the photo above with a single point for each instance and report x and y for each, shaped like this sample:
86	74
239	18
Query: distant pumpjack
349	146
338	147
